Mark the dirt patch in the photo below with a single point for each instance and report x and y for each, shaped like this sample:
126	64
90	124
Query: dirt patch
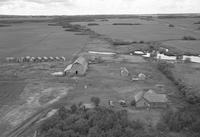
34	97
10	91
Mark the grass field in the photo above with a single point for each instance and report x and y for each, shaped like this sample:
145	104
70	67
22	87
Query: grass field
184	45
38	39
10	91
156	30
190	74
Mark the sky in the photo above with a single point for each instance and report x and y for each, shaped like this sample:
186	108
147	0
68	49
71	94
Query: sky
91	7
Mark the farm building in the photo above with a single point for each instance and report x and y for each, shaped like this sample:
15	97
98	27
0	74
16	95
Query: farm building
79	67
124	72
141	76
150	99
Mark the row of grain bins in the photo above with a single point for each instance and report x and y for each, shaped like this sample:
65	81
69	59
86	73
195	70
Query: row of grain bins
34	59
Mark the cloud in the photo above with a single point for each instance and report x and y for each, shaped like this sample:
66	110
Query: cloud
71	7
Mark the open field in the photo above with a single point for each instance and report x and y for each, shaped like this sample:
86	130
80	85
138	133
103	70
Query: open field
152	30
184	45
38	39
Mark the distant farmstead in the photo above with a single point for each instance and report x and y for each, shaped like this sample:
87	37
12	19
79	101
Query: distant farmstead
150	99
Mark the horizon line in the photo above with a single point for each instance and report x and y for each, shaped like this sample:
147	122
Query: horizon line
135	14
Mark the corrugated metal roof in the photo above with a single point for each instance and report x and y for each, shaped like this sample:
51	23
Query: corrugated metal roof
152	96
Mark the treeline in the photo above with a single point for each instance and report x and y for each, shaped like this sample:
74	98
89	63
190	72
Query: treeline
97	122
187	118
184	90
126	24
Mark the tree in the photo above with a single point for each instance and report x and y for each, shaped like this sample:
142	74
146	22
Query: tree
133	103
73	108
95	100
187	60
62	112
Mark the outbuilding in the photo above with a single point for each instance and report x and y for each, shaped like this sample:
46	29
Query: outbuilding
150	99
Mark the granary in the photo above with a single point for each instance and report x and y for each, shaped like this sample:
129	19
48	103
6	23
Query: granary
57	58
39	59
79	67
27	59
45	58
150	99
32	59
51	58
63	58
11	59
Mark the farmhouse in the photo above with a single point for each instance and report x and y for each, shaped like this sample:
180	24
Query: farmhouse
79	67
150	99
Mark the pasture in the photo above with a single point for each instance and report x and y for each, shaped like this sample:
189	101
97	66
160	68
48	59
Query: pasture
184	45
38	39
148	30
190	74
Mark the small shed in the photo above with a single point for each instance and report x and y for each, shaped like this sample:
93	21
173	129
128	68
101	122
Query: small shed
150	99
141	76
79	67
124	72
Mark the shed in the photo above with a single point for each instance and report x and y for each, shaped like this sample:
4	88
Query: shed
79	67
141	76
124	72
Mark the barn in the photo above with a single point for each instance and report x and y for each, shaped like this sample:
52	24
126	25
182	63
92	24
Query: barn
78	68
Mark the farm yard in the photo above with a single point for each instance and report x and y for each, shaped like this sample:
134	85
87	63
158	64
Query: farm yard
31	89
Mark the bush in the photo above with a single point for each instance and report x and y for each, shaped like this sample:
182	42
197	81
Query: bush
187	60
165	68
177	120
133	103
195	127
74	108
189	38
171	25
93	24
120	42
198	22
161	126
95	100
